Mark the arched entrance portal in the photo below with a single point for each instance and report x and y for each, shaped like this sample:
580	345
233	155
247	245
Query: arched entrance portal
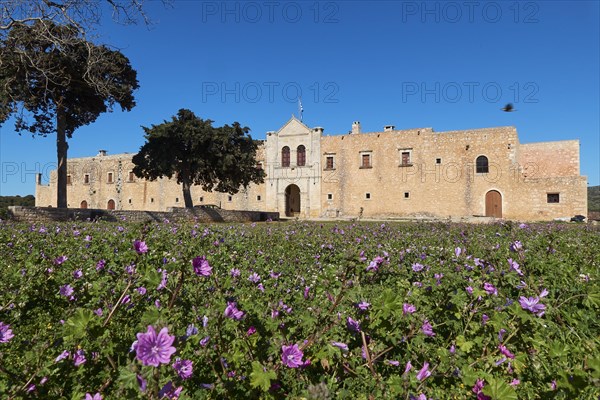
83	204
110	205
493	204
292	200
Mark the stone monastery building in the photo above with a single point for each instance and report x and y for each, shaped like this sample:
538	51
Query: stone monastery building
392	173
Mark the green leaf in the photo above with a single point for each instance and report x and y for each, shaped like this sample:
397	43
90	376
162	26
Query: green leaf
463	344
75	327
259	377
499	390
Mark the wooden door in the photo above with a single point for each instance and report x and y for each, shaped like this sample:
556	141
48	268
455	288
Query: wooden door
493	204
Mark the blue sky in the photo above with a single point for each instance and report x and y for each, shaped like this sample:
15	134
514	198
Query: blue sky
445	65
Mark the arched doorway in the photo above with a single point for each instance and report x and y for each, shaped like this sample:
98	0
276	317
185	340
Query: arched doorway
110	205
83	204
493	204
292	200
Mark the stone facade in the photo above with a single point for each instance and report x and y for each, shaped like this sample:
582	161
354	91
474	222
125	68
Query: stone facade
387	174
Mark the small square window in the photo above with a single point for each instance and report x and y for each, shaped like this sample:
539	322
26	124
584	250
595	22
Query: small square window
86	179
201	199
258	198
151	199
229	198
129	201
329	196
176	199
368	196
109	178
553	197
407	195
438	160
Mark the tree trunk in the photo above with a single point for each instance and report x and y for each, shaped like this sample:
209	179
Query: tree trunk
187	195
61	153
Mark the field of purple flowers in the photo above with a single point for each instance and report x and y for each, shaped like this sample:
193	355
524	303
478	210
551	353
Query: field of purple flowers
299	310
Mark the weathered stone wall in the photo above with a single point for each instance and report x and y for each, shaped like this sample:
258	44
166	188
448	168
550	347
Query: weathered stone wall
35	214
440	180
132	193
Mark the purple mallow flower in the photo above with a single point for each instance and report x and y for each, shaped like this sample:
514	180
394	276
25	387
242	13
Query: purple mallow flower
5	333
505	351
201	266
363	305
427	328
353	325
231	311
532	304
59	260
291	356
340	345
62	356
516	246
170	392
408	309
514	266
140	247
424	372
153	349
97	396
490	289
79	358
66	290
183	367
417	267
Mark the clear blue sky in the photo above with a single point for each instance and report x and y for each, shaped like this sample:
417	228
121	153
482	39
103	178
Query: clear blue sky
445	65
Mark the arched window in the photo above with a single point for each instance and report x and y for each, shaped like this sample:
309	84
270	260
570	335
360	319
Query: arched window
481	165
83	204
301	156
285	157
110	205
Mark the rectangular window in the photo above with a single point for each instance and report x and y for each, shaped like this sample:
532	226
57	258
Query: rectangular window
329	162
131	176
109	178
365	160
86	179
151	199
176	199
368	196
69	181
201	199
258	198
229	198
329	196
405	157
553	197
406	195
438	160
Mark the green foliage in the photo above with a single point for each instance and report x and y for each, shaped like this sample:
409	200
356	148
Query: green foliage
216	158
85	79
6	201
594	198
302	284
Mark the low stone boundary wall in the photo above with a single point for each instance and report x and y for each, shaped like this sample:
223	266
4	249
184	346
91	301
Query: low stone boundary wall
36	214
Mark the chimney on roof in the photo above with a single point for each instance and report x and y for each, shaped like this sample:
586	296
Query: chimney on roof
388	128
101	153
355	127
